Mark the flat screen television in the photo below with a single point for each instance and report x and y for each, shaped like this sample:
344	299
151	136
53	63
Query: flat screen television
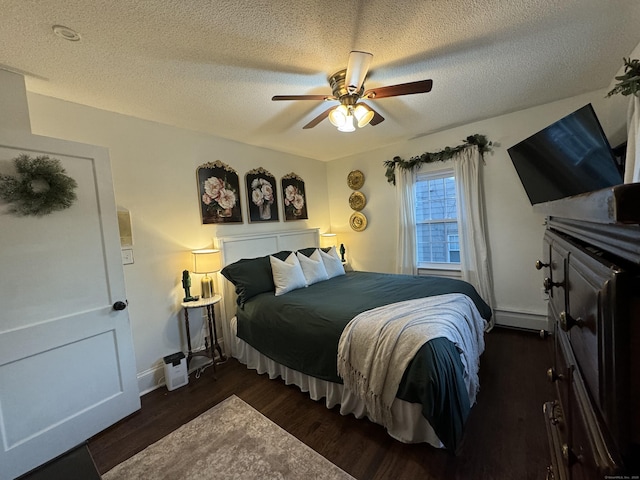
569	157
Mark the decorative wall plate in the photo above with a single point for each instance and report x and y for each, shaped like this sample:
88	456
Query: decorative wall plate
357	201
358	222
355	180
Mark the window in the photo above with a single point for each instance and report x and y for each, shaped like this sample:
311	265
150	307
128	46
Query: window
454	249
437	241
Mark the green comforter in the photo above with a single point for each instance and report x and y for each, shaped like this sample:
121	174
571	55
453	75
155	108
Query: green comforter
301	330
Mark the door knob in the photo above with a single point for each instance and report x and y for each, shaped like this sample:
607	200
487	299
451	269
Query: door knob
119	305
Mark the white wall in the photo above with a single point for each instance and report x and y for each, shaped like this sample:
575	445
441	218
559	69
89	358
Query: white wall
13	103
154	171
515	231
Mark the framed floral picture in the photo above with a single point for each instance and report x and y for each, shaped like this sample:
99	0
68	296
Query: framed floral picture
294	198
219	190
262	196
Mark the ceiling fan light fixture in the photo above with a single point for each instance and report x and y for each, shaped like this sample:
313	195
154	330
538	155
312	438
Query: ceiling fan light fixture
363	115
338	116
347	86
348	124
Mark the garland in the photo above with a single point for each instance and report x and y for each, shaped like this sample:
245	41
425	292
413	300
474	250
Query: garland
40	188
448	153
629	83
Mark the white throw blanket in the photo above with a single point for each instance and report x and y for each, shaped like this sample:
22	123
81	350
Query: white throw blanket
377	345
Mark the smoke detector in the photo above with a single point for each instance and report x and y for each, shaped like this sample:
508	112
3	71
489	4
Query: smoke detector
66	33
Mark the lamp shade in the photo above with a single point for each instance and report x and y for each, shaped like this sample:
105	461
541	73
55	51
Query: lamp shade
363	115
206	261
338	116
348	125
328	240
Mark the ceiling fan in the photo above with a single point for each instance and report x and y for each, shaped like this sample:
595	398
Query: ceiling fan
347	86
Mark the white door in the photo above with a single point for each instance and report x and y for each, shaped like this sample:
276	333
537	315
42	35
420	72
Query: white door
67	366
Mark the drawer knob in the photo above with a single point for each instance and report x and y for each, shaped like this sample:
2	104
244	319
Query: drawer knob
550	475
568	454
567	322
554	376
548	284
540	264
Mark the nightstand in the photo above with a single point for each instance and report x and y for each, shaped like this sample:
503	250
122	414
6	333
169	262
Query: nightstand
209	349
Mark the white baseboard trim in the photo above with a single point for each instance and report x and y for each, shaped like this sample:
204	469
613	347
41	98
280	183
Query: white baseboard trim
150	379
524	320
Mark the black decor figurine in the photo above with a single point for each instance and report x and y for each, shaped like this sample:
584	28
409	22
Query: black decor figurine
186	284
342	251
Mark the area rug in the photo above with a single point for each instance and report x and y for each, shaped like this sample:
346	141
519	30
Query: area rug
230	441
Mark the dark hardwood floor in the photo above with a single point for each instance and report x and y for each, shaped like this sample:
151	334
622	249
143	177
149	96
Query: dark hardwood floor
505	436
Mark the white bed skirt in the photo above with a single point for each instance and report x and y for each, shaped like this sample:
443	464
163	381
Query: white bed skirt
409	425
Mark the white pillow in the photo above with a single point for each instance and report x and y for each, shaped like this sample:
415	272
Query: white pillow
313	267
287	275
332	263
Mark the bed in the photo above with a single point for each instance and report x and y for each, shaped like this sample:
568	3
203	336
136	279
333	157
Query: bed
304	335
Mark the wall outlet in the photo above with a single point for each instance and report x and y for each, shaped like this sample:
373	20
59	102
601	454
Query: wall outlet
127	256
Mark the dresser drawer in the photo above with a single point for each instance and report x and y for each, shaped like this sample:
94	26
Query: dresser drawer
589	282
598	326
561	377
591	315
558	469
588	452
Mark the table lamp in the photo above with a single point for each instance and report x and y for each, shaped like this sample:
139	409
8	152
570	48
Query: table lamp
207	261
328	240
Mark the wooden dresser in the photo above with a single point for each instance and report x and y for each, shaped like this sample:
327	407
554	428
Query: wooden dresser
591	271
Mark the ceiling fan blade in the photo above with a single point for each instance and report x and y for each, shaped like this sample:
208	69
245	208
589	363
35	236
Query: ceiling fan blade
421	86
357	69
377	118
303	97
318	119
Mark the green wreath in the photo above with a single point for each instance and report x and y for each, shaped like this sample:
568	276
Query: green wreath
40	188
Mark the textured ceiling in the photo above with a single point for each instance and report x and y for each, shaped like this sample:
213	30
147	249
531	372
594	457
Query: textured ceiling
213	66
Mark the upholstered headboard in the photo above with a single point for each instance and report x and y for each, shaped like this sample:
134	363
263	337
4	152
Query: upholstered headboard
237	247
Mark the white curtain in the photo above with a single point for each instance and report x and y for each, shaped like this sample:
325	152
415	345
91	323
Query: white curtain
406	260
632	168
474	255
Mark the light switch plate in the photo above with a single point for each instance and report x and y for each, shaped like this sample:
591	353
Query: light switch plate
127	256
